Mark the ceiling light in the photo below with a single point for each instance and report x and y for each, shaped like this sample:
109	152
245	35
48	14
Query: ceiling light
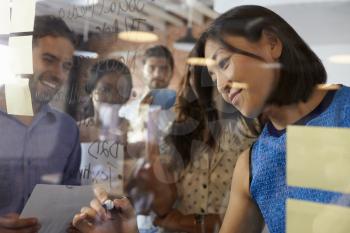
187	42
138	36
328	86
340	59
239	85
200	61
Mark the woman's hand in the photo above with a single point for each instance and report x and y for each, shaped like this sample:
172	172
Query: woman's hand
95	219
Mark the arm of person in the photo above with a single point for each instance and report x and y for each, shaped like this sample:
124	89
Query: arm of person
157	177
11	223
152	178
165	192
176	221
71	171
242	215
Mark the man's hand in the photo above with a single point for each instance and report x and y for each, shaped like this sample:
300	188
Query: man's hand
11	223
95	219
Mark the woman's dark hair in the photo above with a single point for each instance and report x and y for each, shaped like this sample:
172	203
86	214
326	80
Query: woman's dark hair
301	70
196	114
102	68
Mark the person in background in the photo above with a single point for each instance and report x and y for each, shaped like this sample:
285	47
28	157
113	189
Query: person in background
33	148
158	69
202	150
208	147
109	86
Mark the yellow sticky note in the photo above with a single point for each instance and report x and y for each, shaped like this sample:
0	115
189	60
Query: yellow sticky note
318	158
310	217
23	14
18	98
5	65
21	54
4	17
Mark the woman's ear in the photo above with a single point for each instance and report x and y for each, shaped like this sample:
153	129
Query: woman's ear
274	43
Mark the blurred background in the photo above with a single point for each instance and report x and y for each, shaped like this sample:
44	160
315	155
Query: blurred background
324	25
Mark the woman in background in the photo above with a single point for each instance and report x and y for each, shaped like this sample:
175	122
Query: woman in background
208	147
203	149
109	86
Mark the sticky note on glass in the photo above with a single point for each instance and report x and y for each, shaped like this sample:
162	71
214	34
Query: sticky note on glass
18	98
5	65
22	17
310	217
4	17
21	54
318	158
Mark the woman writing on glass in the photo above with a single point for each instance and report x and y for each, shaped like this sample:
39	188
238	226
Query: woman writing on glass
262	66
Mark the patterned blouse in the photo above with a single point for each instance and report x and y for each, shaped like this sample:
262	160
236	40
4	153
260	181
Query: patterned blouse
204	185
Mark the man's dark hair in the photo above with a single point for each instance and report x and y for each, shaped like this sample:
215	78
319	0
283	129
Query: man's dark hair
160	51
301	70
49	25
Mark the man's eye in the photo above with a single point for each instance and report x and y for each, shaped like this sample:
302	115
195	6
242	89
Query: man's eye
48	59
223	64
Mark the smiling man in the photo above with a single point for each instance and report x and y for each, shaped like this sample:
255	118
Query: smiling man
52	57
43	148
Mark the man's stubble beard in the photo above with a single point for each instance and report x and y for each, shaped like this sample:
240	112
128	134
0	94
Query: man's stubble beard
37	97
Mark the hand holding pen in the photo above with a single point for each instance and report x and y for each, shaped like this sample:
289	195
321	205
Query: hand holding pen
106	215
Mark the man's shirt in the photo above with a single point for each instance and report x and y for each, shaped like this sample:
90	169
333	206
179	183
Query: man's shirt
46	152
163	98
